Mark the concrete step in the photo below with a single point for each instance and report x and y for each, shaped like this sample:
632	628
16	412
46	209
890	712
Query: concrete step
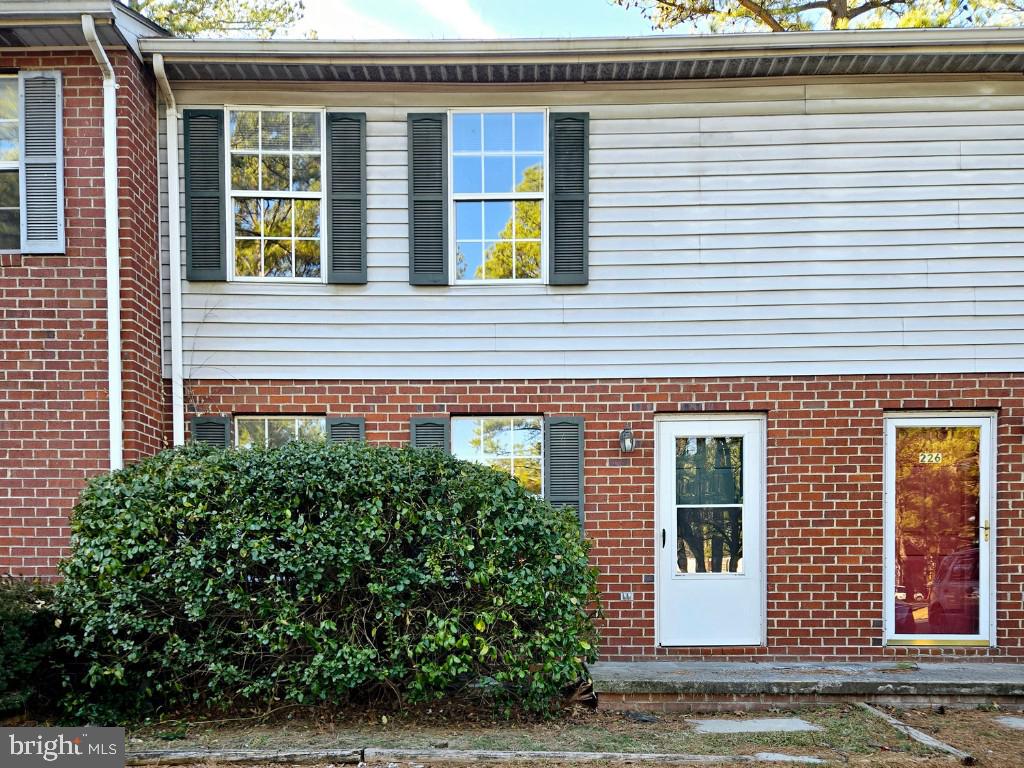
727	686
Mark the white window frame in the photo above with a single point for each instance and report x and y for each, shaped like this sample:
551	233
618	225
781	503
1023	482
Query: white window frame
230	193
512	457
454	197
266	431
15	165
987	456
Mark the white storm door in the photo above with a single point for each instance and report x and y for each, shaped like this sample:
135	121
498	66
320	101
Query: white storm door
709	534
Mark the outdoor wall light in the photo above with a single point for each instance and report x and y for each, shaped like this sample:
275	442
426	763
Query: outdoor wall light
627	442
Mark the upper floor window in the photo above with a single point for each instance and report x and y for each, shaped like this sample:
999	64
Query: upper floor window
512	444
498	193
275	431
275	193
10	206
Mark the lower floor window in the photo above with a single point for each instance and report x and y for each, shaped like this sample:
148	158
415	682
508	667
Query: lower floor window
275	431
10	213
512	444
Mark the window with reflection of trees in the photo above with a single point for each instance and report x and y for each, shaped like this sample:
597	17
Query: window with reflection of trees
937	506
709	504
498	189
10	200
275	431
275	163
512	444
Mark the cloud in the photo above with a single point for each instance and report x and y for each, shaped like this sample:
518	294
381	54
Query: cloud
335	20
459	17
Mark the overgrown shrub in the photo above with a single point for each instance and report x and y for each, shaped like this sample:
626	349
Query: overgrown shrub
27	641
320	573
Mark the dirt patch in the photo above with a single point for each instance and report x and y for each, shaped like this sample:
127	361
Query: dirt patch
848	737
993	745
847	734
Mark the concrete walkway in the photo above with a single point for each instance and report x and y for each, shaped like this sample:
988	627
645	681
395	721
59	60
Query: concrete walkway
668	682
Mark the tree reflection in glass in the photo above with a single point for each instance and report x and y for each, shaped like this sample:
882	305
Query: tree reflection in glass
9	148
498	181
277	234
937	506
10	203
709	504
511	444
275	431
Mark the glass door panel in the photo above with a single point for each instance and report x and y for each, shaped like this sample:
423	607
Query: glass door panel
938	539
939	491
710	540
709	505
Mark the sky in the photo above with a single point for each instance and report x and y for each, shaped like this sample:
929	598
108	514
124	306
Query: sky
467	19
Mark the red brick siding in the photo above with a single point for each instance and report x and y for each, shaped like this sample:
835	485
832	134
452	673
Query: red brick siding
53	331
824	486
146	410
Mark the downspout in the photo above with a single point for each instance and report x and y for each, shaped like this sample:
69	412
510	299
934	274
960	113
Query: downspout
111	236
173	251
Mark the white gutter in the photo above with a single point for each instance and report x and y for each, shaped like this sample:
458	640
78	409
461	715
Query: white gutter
111	236
574	50
173	251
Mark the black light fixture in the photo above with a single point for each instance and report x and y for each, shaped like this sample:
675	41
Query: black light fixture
627	441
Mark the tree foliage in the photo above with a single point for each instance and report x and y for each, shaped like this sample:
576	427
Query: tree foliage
320	573
798	15
192	18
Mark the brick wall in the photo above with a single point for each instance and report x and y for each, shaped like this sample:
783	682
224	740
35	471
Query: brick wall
824	486
53	332
146	410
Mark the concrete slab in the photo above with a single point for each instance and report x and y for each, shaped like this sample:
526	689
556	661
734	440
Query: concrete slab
1017	723
754	725
844	679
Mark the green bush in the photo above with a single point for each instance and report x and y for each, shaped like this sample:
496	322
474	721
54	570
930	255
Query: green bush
320	573
27	640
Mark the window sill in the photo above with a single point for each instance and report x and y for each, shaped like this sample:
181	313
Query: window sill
499	282
277	280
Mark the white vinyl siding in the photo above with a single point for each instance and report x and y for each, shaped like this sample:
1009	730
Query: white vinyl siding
818	227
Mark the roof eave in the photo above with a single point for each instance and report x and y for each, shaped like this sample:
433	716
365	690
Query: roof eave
578	49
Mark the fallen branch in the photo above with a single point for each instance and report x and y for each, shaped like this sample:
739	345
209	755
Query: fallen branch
483	755
352	756
919	736
243	756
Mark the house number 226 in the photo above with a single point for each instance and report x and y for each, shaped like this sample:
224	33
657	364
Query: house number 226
929	458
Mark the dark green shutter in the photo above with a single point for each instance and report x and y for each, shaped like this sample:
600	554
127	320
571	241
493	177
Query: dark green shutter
212	430
205	223
345	220
343	430
41	162
428	198
430	432
568	147
563	462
